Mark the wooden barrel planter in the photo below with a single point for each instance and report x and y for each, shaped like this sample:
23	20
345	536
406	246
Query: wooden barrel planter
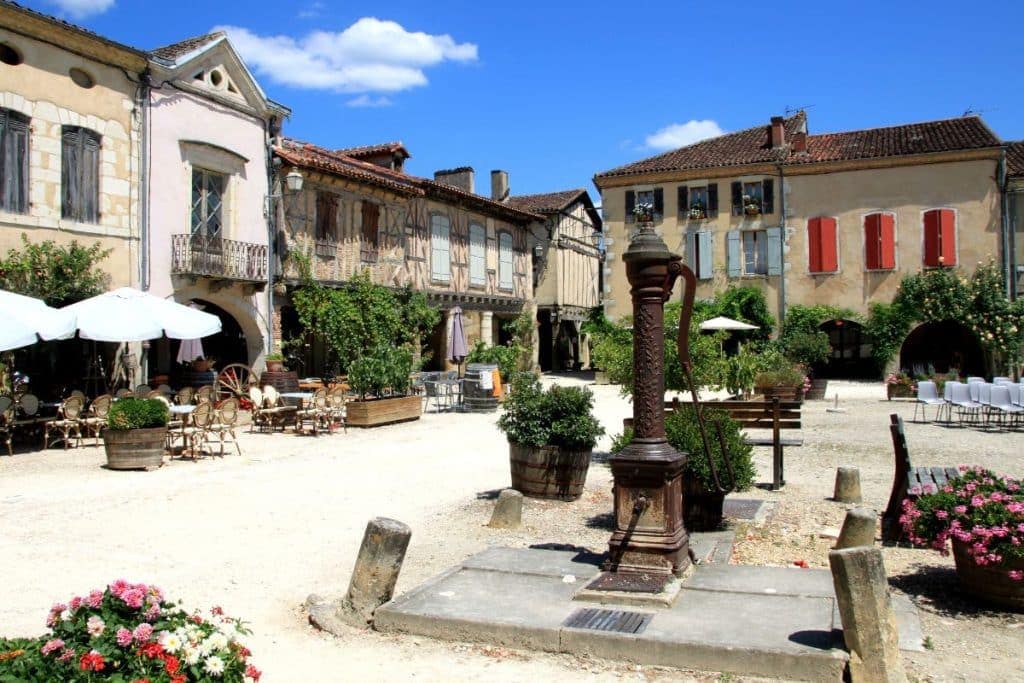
989	584
702	509
383	411
549	471
817	390
195	379
135	449
284	381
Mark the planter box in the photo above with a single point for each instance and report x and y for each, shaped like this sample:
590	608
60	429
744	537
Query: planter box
817	390
135	449
991	584
548	472
383	411
899	391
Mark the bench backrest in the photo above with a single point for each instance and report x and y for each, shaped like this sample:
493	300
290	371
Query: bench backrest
755	414
901	453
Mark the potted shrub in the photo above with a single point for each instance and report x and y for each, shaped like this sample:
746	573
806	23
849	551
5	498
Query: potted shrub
982	516
900	385
130	632
381	380
703	499
751	205
202	364
551	434
275	362
136	433
697	211
788	383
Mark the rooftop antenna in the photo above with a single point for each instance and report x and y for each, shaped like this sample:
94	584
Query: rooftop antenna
971	111
792	110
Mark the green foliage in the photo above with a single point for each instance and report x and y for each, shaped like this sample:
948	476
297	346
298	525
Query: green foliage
683	432
887	327
137	413
275	356
381	371
740	372
505	357
59	275
746	304
807	348
802	340
560	416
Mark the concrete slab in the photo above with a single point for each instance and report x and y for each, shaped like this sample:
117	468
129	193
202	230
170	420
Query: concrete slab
580	563
712	546
735	578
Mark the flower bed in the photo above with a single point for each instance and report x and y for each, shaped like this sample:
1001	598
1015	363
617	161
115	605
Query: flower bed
130	633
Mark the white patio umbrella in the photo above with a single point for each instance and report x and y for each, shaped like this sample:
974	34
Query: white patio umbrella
723	323
27	320
127	314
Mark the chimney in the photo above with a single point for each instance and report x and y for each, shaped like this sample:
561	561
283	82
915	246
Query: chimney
461	178
799	142
499	185
778	132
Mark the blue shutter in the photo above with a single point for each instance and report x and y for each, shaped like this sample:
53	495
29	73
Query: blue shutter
733	260
706	256
774	251
691	250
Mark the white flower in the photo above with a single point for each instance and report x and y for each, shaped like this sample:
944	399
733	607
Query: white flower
217	640
95	626
214	666
170	641
205	647
190	655
65	615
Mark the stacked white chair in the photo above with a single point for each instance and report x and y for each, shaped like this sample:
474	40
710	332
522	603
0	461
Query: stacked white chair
960	398
1002	406
928	395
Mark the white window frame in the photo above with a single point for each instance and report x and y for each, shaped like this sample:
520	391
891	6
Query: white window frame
440	248
477	255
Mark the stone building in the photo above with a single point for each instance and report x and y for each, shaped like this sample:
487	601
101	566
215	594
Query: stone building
567	273
359	210
1015	214
833	218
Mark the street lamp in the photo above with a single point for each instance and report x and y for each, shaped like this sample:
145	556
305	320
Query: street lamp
293	181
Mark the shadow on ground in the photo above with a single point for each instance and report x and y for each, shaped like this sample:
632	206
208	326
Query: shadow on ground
583	555
937	590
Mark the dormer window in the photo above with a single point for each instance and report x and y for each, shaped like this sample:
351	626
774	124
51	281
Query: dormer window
217	79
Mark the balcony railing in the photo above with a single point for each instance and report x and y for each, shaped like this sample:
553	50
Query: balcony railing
218	258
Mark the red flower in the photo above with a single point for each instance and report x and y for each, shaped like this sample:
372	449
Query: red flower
151	650
91	661
178	678
141	680
253	673
172	664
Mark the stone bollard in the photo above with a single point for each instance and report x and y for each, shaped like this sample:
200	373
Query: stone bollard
508	511
869	625
858	529
373	577
847	485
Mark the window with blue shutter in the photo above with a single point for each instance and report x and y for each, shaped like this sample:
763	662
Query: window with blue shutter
774	251
477	255
440	250
705	262
734	258
505	264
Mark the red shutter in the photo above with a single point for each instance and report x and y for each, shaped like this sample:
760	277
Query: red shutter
829	250
947	231
814	244
887	238
872	251
932	238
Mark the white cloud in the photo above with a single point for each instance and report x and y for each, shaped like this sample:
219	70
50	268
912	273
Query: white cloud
371	55
681	134
83	8
312	10
367	101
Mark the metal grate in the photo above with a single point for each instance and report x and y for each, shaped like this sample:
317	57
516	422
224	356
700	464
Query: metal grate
612	620
629	582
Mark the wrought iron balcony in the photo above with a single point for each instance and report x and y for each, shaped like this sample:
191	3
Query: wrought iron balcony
218	258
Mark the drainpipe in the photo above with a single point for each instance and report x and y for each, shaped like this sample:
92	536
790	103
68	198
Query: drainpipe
782	247
144	261
1009	266
271	229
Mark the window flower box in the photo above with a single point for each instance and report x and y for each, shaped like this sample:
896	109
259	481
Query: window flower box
697	213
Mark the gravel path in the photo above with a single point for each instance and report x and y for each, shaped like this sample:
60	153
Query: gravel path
257	534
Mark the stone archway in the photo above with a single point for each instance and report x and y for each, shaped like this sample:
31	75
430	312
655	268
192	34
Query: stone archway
850	354
944	345
248	318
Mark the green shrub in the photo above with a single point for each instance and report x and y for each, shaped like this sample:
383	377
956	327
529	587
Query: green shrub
275	356
137	413
380	371
684	434
560	416
505	357
807	347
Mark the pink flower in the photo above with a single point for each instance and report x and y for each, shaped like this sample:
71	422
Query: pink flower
977	501
960	509
95	599
1016	575
915	490
142	633
95	626
941	514
118	587
66	655
124	637
52	646
75	603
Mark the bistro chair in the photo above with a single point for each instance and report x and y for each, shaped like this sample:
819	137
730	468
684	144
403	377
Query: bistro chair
27	415
7	420
142	390
96	417
196	433
124	393
315	413
224	423
204	394
336	406
184	396
68	420
274	408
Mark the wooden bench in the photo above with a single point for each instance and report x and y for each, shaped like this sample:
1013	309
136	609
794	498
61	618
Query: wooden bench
908	481
774	414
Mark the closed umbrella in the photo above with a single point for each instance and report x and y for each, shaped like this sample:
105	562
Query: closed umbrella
190	349
127	314
27	320
457	349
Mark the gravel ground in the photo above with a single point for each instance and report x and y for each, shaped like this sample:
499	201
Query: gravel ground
257	534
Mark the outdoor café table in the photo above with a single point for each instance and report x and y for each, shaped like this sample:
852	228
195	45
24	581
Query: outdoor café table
184	411
297	398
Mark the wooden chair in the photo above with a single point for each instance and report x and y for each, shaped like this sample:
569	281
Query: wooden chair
7	420
123	393
204	394
96	417
68	420
336	406
196	433
224	423
184	396
316	413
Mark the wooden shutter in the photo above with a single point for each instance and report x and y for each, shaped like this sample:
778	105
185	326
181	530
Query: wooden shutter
659	203
712	200
14	129
737	198
706	260
371	223
70	159
505	263
947	231
90	188
774	251
440	254
630	205
80	166
691	250
814	245
734	256
932	238
477	255
887	240
829	245
768	196
872	242
682	201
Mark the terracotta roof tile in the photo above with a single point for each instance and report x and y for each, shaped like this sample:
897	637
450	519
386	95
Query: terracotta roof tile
1015	159
550	202
752	146
174	50
370	150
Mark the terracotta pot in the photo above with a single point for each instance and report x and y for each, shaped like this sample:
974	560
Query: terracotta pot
135	449
702	510
275	366
549	471
987	583
202	365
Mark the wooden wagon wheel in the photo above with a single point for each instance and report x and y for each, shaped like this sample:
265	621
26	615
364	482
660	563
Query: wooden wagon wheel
235	380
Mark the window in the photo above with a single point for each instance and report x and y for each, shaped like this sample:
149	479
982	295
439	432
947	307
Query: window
654	198
9	56
326	217
696	203
370	232
477	255
80	169
13	161
821	245
940	237
754	252
81	78
698	253
440	251
505	261
207	203
879	241
753	198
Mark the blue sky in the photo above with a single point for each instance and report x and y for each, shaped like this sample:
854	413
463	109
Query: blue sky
555	92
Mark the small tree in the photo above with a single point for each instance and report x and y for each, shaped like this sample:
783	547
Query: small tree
57	274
